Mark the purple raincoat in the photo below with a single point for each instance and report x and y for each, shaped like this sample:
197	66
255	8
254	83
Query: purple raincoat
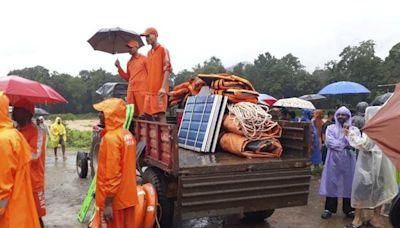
337	177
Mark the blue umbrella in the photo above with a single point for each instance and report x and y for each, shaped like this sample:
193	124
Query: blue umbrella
343	87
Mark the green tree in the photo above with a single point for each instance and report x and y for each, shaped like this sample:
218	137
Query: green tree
211	66
391	66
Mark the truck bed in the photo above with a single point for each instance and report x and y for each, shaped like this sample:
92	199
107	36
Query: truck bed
223	183
194	162
162	150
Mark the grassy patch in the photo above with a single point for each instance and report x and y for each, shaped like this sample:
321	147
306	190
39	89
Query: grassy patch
78	139
316	170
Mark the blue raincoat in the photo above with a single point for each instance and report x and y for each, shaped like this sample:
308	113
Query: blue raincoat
316	148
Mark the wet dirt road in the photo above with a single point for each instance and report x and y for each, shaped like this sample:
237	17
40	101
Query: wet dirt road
65	193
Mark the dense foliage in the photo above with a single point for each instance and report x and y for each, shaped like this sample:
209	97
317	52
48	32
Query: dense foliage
279	77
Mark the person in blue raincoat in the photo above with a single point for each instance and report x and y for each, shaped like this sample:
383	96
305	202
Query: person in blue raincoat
338	173
316	149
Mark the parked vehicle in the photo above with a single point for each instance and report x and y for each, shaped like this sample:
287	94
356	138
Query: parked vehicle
192	185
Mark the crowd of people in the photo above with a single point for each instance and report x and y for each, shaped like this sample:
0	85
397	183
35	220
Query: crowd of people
354	167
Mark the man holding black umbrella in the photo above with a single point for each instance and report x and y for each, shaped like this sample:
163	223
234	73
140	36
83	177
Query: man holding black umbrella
136	75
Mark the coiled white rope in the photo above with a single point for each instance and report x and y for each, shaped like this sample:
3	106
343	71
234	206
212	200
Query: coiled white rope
252	118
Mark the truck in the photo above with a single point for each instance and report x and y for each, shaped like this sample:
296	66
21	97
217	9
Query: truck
193	185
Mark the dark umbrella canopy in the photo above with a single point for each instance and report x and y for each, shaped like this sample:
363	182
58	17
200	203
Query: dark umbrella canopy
380	100
114	40
40	111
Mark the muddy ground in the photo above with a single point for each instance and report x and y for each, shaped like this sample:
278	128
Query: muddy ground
65	192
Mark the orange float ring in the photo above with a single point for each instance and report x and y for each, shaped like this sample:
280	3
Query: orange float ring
140	208
151	205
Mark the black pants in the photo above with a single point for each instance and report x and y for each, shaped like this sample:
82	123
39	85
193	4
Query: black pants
324	152
331	205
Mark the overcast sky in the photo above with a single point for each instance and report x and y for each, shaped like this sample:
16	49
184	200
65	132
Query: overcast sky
53	33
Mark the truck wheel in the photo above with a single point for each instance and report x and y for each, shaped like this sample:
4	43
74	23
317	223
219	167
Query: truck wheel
394	214
81	164
159	180
258	216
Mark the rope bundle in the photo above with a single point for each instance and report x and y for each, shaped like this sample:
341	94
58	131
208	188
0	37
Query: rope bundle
253	119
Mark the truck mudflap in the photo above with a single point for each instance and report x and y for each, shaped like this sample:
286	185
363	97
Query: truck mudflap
230	193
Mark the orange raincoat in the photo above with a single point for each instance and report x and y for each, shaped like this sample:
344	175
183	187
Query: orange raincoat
136	76
158	62
116	172
17	206
37	141
36	138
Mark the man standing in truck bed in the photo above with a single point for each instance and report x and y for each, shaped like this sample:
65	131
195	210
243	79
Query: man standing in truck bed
136	75
159	70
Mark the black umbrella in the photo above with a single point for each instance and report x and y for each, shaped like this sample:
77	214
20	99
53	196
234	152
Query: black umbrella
380	100
114	40
41	111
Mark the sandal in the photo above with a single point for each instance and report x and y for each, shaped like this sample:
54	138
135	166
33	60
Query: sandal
351	225
369	224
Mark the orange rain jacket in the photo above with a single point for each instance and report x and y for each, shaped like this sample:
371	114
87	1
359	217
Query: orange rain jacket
116	171
158	62
136	76
17	206
37	141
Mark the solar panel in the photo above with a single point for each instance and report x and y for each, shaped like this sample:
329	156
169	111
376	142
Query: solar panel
200	122
219	123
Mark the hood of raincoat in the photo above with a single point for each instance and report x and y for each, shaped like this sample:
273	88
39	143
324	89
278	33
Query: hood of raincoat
342	110
114	110
361	107
307	115
5	120
371	112
56	120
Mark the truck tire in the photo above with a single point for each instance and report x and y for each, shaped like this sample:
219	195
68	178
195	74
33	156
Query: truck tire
258	216
82	164
160	182
394	215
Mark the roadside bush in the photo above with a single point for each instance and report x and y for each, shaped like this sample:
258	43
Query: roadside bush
70	116
78	139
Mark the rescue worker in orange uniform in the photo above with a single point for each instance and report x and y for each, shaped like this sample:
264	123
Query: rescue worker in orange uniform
17	206
116	193
136	75
23	112
159	70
